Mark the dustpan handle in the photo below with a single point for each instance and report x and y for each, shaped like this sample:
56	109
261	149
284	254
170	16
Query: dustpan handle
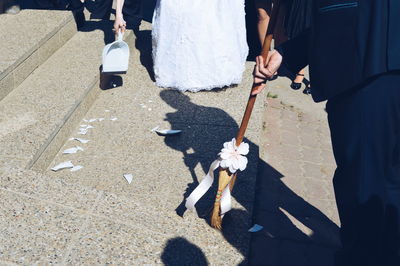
120	35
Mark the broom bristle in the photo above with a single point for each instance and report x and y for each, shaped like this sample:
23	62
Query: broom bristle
216	220
223	181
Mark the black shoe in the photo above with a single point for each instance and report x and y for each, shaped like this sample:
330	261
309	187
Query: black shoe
307	91
296	85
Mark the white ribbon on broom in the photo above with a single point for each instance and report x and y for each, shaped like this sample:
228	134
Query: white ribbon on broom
231	157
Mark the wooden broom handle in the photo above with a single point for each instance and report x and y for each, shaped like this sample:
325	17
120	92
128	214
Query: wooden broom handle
264	53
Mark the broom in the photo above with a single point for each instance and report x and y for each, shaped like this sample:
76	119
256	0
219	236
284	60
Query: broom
225	176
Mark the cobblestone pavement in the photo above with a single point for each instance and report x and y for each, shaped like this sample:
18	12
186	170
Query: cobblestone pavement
295	201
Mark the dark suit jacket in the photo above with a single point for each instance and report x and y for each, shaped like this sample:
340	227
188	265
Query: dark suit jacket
349	41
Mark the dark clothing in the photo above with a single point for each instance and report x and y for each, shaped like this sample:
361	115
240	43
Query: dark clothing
349	41
365	132
354	58
298	17
101	9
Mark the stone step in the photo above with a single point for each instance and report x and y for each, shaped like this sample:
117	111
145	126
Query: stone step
27	42
36	116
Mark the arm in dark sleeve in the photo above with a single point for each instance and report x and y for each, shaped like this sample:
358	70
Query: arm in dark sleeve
295	52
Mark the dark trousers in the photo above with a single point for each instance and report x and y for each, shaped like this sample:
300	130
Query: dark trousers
365	131
132	10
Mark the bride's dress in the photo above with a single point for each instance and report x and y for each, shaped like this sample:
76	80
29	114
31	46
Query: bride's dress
199	44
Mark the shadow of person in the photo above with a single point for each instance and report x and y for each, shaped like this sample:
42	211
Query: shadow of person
287	218
179	251
200	142
144	45
275	205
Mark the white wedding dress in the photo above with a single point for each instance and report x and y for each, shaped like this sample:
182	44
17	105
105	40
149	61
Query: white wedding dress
199	44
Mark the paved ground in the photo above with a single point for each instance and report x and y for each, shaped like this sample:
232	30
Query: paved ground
165	170
93	216
294	197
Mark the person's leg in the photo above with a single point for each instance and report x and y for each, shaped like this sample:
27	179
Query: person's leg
264	8
364	127
132	11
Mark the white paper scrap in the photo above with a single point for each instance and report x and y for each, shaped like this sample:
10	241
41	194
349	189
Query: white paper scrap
154	129
256	228
85	120
92	120
166	132
101	119
150	101
76	168
64	165
73	150
84	125
84	141
114	119
128	177
149	109
107	111
82	132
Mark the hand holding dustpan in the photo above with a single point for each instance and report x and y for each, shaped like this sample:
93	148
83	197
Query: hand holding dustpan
232	157
116	56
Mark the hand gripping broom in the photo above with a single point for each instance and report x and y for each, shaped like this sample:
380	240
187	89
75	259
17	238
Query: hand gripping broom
235	149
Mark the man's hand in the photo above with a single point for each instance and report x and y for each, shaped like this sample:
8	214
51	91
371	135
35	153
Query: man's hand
119	24
266	70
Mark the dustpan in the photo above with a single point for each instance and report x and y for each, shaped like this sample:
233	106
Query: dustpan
116	56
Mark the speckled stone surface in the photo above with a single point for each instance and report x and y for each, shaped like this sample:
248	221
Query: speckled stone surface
93	216
164	170
23	50
60	90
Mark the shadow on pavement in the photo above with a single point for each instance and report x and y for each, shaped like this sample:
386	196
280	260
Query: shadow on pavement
275	205
179	251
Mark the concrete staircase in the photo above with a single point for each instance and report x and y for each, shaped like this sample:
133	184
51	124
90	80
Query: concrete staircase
49	77
93	216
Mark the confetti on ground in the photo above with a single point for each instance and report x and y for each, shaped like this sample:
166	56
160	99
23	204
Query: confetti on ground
154	129
256	228
166	132
101	119
128	177
72	150
114	119
107	111
84	141
63	165
76	168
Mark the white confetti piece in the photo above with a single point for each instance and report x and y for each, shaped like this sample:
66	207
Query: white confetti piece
128	177
149	109
84	141
83	125
107	111
150	101
154	129
114	119
63	165
166	132
92	120
76	168
101	119
72	150
82	132
256	228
